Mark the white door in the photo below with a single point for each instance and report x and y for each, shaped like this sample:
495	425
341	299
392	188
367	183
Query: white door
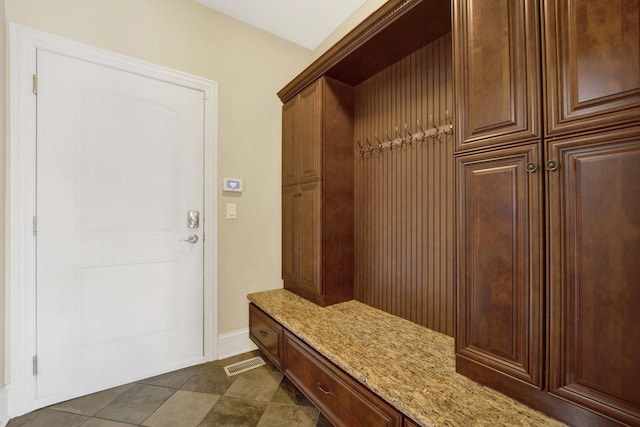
119	165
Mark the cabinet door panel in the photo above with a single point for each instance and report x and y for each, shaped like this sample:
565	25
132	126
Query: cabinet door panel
594	215
290	234
289	143
497	72
310	131
592	56
499	262
309	205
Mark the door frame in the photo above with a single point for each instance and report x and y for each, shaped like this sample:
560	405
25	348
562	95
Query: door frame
20	275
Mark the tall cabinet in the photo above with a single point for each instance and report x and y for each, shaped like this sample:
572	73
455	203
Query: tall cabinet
317	192
548	203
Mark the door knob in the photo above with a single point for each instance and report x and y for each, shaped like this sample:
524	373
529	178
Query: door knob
193	238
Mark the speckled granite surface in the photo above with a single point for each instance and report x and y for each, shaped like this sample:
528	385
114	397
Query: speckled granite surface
409	366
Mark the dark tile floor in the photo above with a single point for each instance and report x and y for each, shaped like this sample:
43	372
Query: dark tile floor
198	396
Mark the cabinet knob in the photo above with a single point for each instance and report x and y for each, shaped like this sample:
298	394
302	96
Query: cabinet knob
263	333
551	165
532	167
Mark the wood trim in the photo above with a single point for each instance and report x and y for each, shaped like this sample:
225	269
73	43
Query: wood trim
386	36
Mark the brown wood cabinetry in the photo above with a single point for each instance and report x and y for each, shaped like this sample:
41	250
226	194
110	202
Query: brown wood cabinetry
497	72
340	398
408	422
594	293
566	329
500	293
267	334
317	193
592	64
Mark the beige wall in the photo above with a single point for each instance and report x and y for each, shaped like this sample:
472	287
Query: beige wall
249	65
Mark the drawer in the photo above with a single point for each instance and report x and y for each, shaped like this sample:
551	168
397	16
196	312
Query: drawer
266	333
344	401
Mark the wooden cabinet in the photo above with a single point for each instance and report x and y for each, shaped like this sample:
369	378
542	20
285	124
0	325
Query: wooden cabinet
497	72
317	193
500	295
267	334
408	422
594	292
592	64
547	307
341	399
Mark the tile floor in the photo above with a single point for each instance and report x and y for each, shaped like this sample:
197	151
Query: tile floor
198	396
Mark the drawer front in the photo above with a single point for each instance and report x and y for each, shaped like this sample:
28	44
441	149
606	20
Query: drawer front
266	333
340	398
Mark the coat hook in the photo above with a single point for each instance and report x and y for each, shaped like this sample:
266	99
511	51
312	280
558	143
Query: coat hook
388	142
375	135
449	121
437	132
409	137
361	147
400	137
421	137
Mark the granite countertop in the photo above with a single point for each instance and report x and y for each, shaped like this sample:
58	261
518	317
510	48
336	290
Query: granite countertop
408	365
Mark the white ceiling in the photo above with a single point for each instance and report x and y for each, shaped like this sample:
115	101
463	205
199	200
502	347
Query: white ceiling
304	22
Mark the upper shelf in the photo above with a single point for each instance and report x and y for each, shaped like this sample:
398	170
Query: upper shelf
389	34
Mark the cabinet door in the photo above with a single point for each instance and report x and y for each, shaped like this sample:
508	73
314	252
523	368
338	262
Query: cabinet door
310	229
310	131
594	218
289	143
497	72
499	263
290	234
592	51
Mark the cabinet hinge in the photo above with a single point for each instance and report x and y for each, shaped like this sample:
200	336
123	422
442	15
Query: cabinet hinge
35	84
35	225
35	365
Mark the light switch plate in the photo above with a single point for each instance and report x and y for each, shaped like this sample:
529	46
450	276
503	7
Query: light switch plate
231	211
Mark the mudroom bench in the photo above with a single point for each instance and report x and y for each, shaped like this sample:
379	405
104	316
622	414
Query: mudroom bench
363	366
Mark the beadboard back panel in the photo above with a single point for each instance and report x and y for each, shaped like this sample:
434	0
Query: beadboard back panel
404	196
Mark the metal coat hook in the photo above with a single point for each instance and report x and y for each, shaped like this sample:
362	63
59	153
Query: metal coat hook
449	122
409	137
361	147
436	133
401	140
421	137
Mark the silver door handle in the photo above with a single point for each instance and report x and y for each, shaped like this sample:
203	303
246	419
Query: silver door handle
193	238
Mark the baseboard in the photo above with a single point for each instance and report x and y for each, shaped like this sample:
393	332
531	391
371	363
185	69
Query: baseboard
234	343
4	406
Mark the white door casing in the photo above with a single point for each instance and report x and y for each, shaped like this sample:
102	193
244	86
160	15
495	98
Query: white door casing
25	43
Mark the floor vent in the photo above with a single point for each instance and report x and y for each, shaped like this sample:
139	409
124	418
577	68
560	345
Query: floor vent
244	366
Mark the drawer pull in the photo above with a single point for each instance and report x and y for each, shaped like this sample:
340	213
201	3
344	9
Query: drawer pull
263	334
324	390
